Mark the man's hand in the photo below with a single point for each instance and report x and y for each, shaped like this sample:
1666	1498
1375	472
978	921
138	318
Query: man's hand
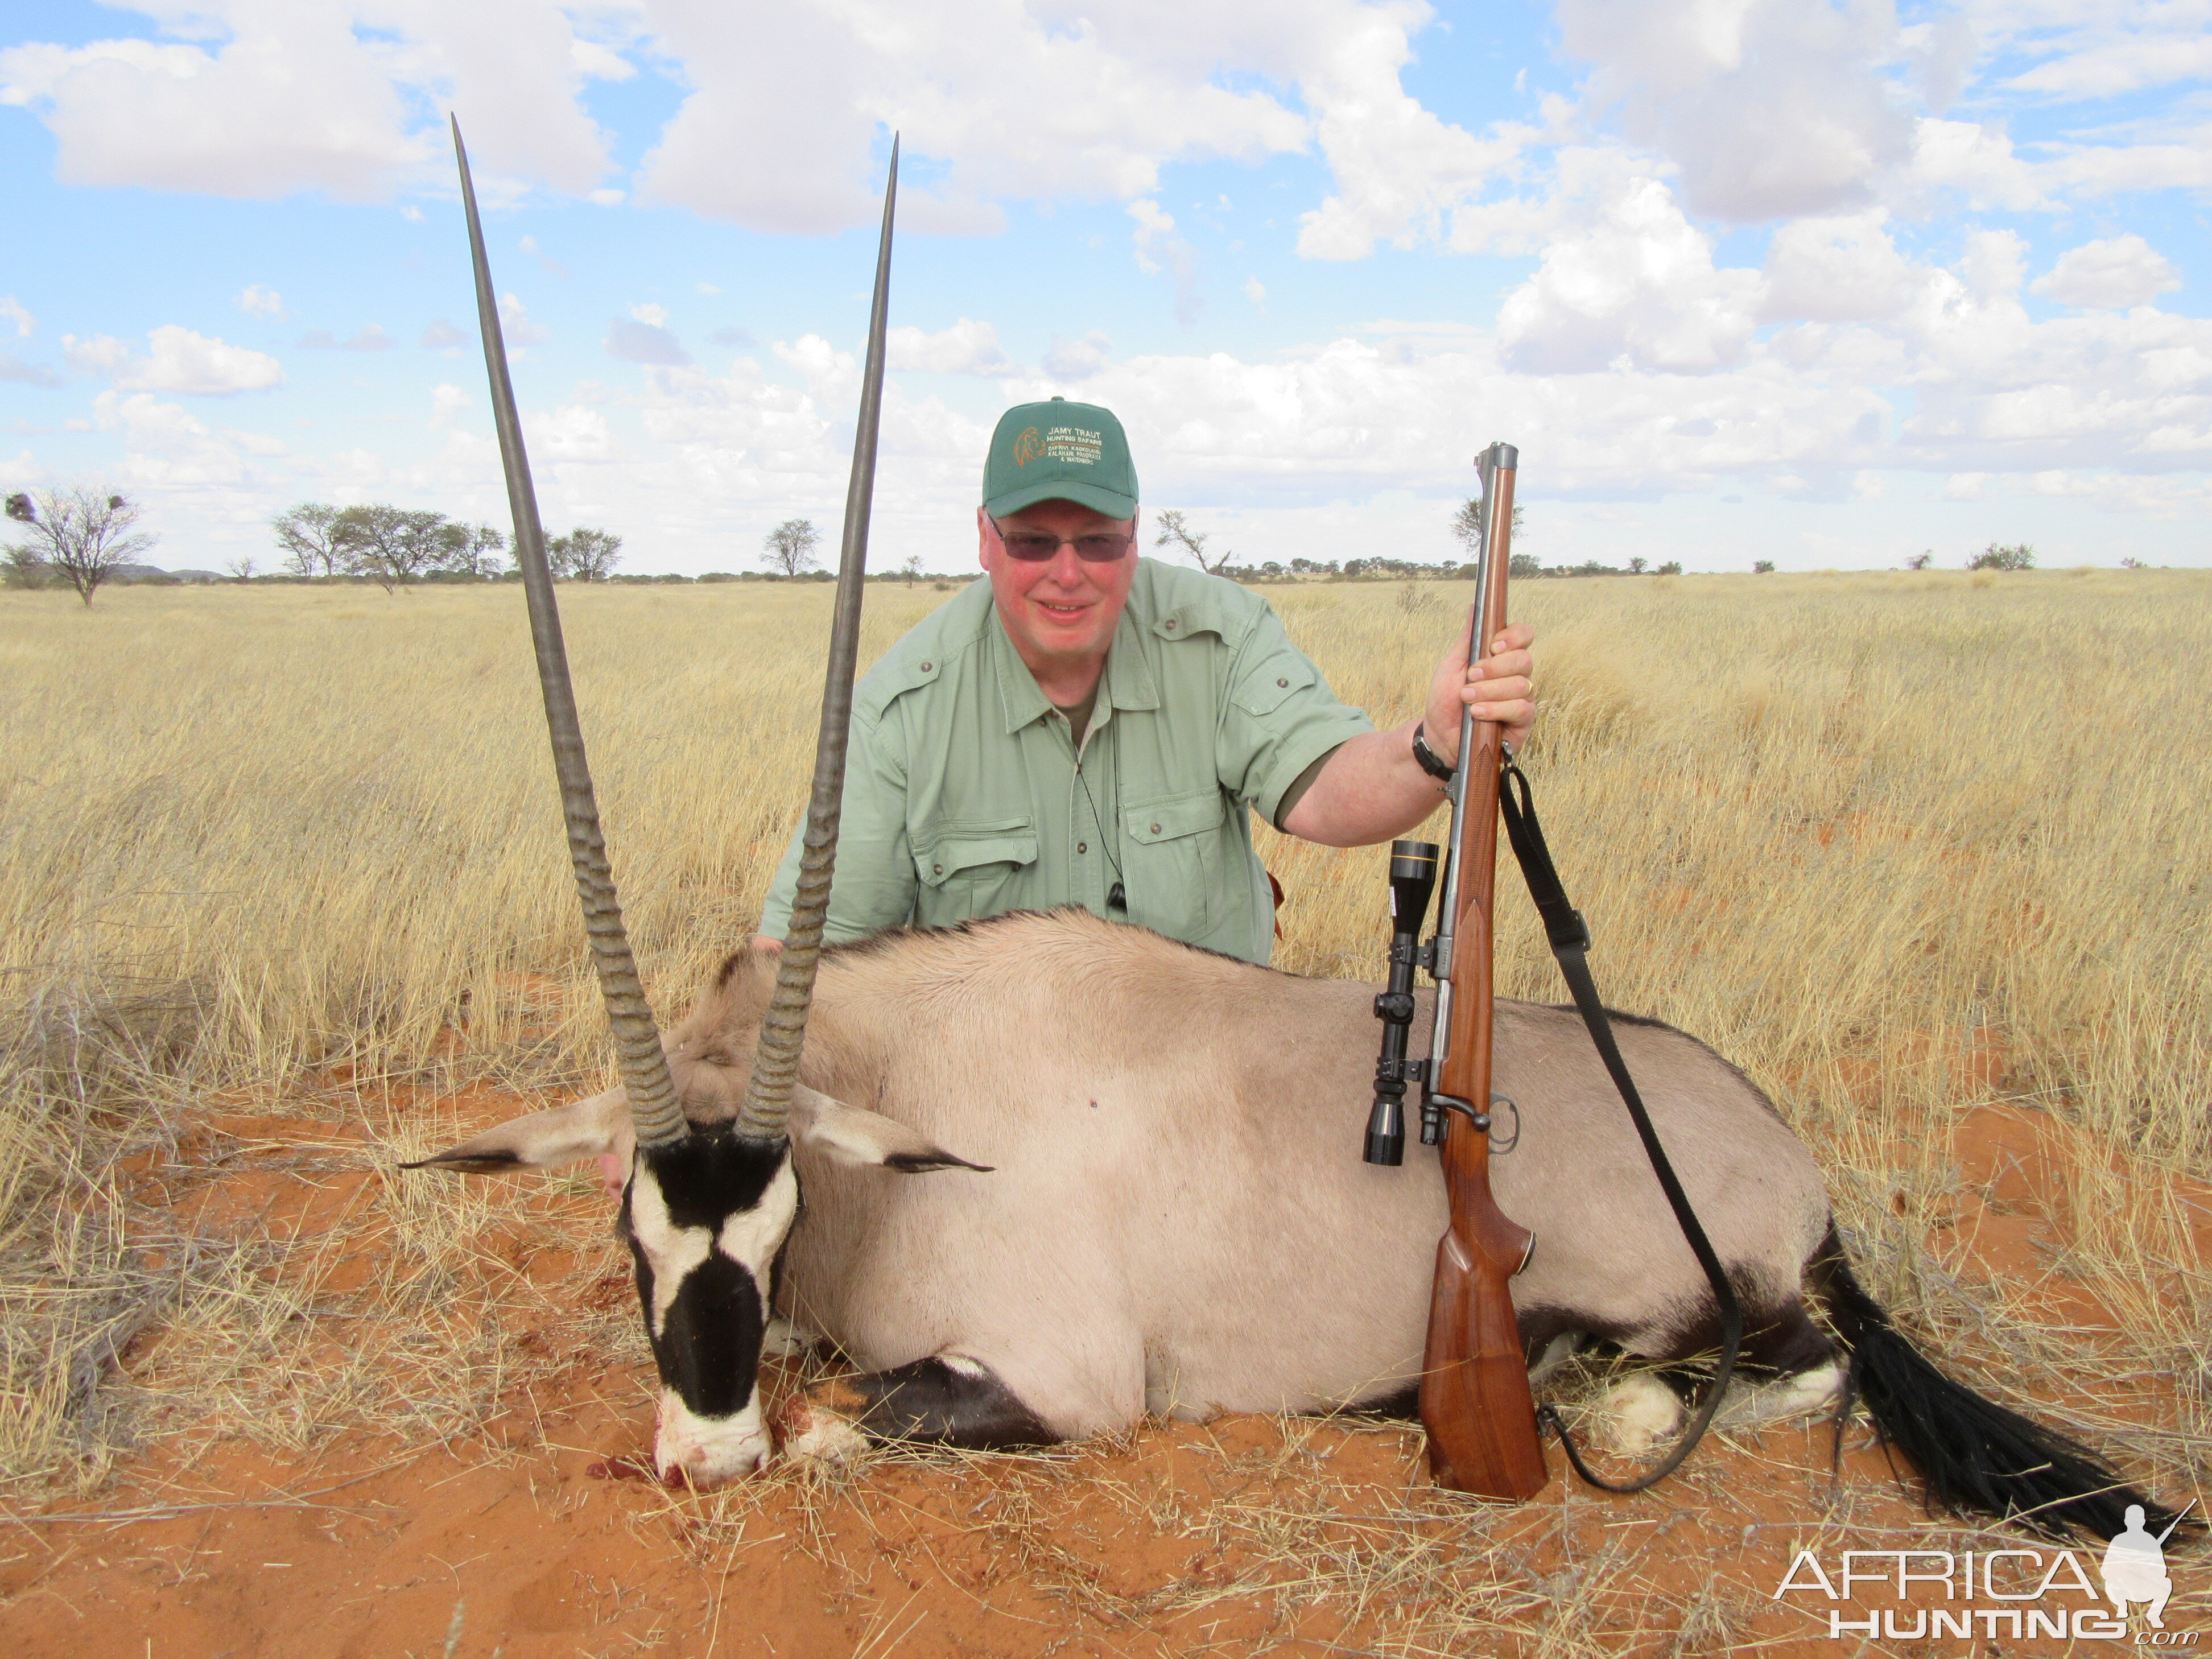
1497	688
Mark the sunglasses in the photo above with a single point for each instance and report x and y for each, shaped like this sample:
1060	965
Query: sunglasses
1036	546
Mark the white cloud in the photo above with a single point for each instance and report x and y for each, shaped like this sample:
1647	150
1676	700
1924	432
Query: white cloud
2170	45
2109	274
1995	264
1157	244
14	369
1398	169
259	302
573	432
446	402
1635	283
1152	226
656	316
644	343
1837	269
368	337
1016	105
164	446
178	360
14	311
598	62
1974	160
262	99
515	324
966	348
1077	360
1770	108
1256	292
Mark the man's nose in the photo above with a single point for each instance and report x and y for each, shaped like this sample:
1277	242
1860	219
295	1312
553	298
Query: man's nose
1064	567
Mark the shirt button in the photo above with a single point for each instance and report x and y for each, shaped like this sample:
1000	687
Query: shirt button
925	667
1282	683
1168	624
1156	828
936	869
1082	847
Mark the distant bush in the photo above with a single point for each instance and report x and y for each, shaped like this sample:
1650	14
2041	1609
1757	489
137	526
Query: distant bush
1762	566
1994	557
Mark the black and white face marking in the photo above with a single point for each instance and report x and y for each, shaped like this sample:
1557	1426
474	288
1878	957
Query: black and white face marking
705	1218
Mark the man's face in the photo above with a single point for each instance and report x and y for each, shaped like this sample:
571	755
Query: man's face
1060	611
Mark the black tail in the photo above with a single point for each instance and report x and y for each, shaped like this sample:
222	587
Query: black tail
1975	1455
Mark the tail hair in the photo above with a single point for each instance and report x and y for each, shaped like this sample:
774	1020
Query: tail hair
1976	1455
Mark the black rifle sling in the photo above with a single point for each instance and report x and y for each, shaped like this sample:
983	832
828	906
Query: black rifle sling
1570	938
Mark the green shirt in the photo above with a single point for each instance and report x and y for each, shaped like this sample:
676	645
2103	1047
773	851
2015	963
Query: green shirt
966	794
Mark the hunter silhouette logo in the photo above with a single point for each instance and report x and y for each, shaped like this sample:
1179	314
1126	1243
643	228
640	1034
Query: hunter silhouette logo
2134	1567
1028	446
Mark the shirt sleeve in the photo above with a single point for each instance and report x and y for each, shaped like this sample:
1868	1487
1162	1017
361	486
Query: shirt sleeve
1278	718
873	885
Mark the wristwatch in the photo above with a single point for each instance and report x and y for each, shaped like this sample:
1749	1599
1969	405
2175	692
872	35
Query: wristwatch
1432	763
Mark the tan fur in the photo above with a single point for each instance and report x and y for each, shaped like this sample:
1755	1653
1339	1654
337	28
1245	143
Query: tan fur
1178	1197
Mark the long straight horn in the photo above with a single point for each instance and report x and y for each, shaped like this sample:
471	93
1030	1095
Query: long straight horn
653	1107
783	1029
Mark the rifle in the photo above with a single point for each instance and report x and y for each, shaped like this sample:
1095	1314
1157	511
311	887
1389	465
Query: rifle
1475	1402
1481	1421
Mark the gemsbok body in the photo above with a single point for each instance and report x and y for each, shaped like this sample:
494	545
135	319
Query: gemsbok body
1049	1173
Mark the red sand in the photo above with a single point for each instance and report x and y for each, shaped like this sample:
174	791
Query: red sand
536	1536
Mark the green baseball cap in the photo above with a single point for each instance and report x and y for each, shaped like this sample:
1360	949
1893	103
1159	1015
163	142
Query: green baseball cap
1058	450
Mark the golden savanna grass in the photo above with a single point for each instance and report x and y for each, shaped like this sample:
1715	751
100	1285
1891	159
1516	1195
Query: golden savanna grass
1898	845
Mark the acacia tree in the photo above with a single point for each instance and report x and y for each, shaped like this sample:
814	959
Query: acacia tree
84	533
790	546
471	549
308	533
393	544
1175	532
584	556
1466	527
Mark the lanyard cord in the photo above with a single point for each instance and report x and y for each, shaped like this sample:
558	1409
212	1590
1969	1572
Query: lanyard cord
1117	897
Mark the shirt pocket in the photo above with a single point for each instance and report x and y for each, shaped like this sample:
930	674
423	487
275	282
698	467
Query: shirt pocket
1173	852
1269	685
973	870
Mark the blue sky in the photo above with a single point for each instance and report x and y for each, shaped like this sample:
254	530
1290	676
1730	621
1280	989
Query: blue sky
1829	284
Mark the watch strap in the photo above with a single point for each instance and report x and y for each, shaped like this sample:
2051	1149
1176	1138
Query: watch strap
1430	762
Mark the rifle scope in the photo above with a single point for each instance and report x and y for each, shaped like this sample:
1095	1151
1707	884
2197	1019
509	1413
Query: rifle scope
1413	879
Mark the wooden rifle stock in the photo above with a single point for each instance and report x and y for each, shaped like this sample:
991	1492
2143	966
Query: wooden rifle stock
1475	1402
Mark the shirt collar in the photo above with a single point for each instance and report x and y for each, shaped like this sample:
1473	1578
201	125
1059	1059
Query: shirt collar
1126	682
1017	687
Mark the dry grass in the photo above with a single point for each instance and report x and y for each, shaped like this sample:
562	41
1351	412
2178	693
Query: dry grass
1900	845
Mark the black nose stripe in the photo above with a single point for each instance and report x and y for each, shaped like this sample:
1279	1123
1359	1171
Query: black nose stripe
709	1344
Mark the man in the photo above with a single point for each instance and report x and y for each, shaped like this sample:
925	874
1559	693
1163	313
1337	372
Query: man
1089	726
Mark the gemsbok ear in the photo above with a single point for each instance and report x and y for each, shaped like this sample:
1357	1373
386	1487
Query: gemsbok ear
851	1136
544	1140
